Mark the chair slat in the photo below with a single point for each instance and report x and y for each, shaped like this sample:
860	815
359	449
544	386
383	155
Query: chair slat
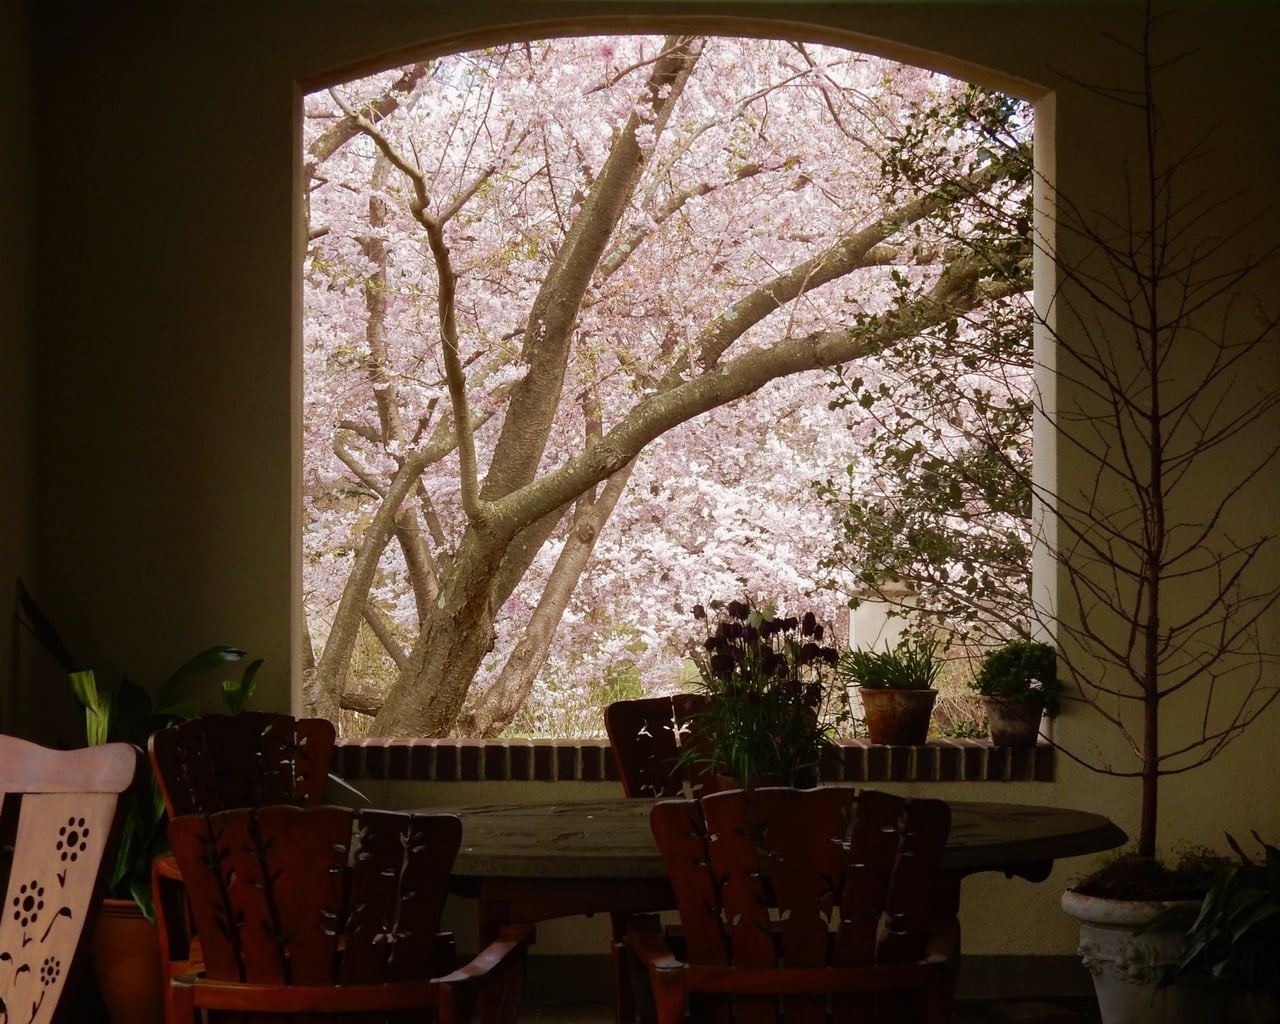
59	813
397	867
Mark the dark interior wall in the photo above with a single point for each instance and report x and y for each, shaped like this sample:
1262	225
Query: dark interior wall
164	295
162	299
16	554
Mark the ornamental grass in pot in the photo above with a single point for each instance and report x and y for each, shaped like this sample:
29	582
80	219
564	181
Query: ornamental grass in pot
897	689
774	706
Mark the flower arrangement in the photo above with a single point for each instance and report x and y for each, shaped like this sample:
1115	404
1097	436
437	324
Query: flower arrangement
772	710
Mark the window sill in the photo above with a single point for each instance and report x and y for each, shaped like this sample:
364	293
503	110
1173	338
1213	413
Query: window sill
433	760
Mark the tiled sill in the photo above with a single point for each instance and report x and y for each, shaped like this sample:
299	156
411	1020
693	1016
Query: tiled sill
427	760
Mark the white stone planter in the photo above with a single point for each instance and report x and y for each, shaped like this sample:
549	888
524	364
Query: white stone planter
1126	965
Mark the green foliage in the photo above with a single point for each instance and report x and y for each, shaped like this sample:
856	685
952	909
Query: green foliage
946	510
1022	670
1233	936
773	712
912	664
130	714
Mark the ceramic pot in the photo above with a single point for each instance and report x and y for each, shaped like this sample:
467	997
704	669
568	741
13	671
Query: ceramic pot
897	717
124	952
1012	723
1126	964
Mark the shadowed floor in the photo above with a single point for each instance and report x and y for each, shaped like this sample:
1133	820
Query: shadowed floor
999	1011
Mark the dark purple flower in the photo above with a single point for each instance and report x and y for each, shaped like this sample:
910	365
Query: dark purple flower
808	624
738	610
699	612
721	664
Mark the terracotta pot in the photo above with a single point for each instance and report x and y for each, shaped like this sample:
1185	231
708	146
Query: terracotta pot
897	717
124	952
1012	723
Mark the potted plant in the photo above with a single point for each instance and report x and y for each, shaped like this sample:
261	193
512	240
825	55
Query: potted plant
1018	684
772	711
1128	940
1230	939
123	949
897	688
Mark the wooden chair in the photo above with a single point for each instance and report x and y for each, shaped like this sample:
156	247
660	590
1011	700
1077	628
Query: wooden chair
802	906
324	911
59	820
217	762
647	737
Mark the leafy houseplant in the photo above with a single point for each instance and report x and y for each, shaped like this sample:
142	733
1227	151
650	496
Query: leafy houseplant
896	686
1232	939
772	712
130	713
1019	682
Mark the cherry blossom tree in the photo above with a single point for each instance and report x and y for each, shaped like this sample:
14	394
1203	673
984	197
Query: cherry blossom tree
568	307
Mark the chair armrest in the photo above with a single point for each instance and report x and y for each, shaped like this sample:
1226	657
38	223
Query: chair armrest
513	940
647	940
493	979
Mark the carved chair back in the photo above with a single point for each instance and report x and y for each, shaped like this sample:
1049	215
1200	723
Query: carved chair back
315	911
59	819
805	906
216	762
648	736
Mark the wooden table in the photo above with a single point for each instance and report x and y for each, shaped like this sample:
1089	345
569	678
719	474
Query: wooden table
536	861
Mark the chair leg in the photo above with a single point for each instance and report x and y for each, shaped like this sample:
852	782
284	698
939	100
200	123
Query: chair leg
624	988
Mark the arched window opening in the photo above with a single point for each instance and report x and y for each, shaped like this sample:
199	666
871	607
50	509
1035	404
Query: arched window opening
599	328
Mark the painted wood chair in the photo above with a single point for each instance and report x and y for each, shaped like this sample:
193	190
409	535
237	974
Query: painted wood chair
801	906
59	820
307	914
217	762
648	736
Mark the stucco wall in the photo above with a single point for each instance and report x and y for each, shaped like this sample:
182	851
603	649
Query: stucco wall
164	300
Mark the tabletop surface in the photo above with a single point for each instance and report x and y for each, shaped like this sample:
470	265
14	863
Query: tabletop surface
611	838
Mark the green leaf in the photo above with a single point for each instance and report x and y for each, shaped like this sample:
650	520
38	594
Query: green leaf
97	706
236	694
30	616
198	665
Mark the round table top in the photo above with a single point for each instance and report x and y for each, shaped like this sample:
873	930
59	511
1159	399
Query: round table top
611	838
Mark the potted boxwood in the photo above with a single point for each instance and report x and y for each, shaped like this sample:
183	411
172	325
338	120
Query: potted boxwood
1018	684
897	688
